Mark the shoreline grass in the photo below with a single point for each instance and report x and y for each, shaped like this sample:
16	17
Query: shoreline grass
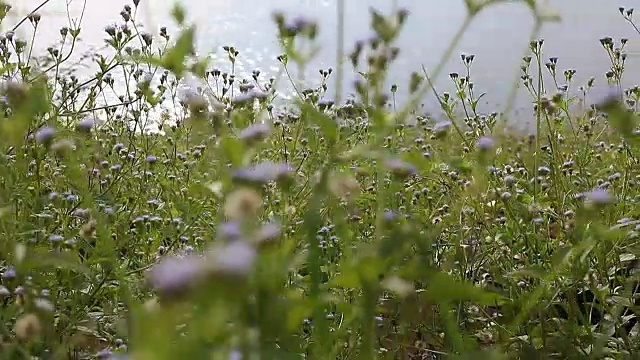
360	229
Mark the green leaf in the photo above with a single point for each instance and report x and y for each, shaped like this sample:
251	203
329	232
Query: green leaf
178	13
173	60
444	286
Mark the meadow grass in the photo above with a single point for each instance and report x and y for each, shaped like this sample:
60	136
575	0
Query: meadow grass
332	229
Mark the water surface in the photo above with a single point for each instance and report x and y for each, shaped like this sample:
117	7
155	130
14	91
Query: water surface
498	36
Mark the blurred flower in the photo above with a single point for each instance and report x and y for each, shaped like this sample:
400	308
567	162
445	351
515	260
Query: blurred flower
235	258
255	133
28	327
263	173
85	125
485	143
242	203
45	135
174	275
598	197
267	232
400	168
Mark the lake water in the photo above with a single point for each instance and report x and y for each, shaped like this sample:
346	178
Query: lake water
498	36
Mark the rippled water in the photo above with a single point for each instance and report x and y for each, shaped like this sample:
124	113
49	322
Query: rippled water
498	36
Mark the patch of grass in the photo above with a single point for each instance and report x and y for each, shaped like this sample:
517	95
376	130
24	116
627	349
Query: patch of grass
143	221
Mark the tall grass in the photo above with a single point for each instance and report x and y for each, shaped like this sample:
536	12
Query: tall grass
327	230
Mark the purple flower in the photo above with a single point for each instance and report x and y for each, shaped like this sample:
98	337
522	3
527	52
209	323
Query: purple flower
255	133
45	135
151	159
263	173
400	168
229	230
55	238
485	143
173	275
268	232
85	125
235	258
9	273
598	197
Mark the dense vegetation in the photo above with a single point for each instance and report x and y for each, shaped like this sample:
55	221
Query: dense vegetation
330	230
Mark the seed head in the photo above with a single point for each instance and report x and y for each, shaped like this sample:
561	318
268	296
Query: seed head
242	204
28	327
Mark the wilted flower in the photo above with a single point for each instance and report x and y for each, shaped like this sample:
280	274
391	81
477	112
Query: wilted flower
344	187
242	203
63	147
441	128
28	327
400	168
111	30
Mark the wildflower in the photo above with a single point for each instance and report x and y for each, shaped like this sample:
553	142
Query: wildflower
63	147
45	135
173	275
43	304
509	180
4	292
243	99
151	159
485	143
400	168
111	30
544	170
267	232
344	187
106	354
441	128
229	230
85	125
255	133
9	273
235	258
242	203
55	238
598	197
28	327
263	173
